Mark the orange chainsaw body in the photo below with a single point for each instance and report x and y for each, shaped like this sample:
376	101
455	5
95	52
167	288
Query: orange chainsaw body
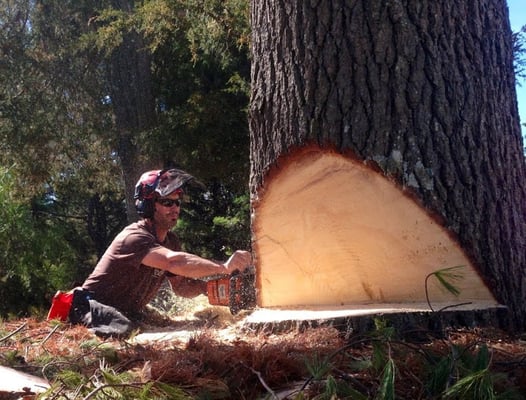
237	291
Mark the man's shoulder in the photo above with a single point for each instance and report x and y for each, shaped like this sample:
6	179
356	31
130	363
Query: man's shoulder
136	227
135	231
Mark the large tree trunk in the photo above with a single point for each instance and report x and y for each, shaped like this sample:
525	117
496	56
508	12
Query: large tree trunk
385	144
131	90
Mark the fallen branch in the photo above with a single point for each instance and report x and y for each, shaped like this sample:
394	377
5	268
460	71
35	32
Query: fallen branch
455	305
258	374
14	332
49	335
113	385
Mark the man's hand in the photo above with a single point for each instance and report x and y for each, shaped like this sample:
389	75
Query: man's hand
240	261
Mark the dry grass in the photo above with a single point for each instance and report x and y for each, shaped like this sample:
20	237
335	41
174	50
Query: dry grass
244	364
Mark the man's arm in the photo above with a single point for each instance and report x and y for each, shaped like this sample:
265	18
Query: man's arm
187	287
193	266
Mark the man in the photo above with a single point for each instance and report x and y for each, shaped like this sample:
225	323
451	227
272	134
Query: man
142	256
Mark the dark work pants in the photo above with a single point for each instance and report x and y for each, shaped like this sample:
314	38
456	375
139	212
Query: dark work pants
101	319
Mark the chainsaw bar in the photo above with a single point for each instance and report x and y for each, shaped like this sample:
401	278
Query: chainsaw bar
242	295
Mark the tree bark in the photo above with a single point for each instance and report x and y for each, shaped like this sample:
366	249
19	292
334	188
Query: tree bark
422	91
131	92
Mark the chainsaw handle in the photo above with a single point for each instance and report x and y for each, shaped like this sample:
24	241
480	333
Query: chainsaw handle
239	260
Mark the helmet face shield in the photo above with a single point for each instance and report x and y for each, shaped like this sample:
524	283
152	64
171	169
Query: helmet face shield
172	180
159	183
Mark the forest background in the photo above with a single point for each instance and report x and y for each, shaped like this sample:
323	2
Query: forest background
92	94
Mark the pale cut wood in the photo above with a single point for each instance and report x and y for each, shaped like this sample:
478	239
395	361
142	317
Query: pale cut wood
16	382
329	231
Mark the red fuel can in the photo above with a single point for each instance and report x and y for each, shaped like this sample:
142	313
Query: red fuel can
60	306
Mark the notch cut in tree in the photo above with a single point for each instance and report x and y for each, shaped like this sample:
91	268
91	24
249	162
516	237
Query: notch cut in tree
332	232
422	90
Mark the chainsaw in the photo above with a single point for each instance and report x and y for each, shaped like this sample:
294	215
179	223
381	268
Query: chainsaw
237	291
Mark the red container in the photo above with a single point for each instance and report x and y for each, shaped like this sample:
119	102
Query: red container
60	306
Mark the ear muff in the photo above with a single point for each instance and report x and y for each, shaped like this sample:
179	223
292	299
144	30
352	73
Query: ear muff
145	208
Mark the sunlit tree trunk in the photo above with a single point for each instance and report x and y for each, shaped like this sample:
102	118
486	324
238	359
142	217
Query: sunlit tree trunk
422	91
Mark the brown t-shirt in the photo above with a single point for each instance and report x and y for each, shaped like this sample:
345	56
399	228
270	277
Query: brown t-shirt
119	279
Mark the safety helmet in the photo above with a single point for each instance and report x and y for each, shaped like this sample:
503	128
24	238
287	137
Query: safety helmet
157	183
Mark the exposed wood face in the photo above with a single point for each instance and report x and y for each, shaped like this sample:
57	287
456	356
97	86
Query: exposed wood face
14	382
329	232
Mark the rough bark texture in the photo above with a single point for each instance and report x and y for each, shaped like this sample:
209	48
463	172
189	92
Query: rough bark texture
422	89
130	81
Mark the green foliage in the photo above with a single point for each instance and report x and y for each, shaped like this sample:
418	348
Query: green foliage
387	382
380	364
71	379
36	259
381	337
464	374
50	117
479	385
203	90
381	361
106	383
11	357
102	369
440	375
519	52
446	277
318	366
215	223
200	70
330	390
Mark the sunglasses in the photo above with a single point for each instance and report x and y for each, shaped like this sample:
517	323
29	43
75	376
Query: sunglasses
170	202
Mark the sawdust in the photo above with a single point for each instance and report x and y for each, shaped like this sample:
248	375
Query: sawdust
203	318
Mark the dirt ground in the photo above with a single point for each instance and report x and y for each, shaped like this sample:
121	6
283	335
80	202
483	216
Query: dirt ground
212	354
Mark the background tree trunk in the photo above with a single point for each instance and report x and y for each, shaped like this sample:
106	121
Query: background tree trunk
421	90
130	83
